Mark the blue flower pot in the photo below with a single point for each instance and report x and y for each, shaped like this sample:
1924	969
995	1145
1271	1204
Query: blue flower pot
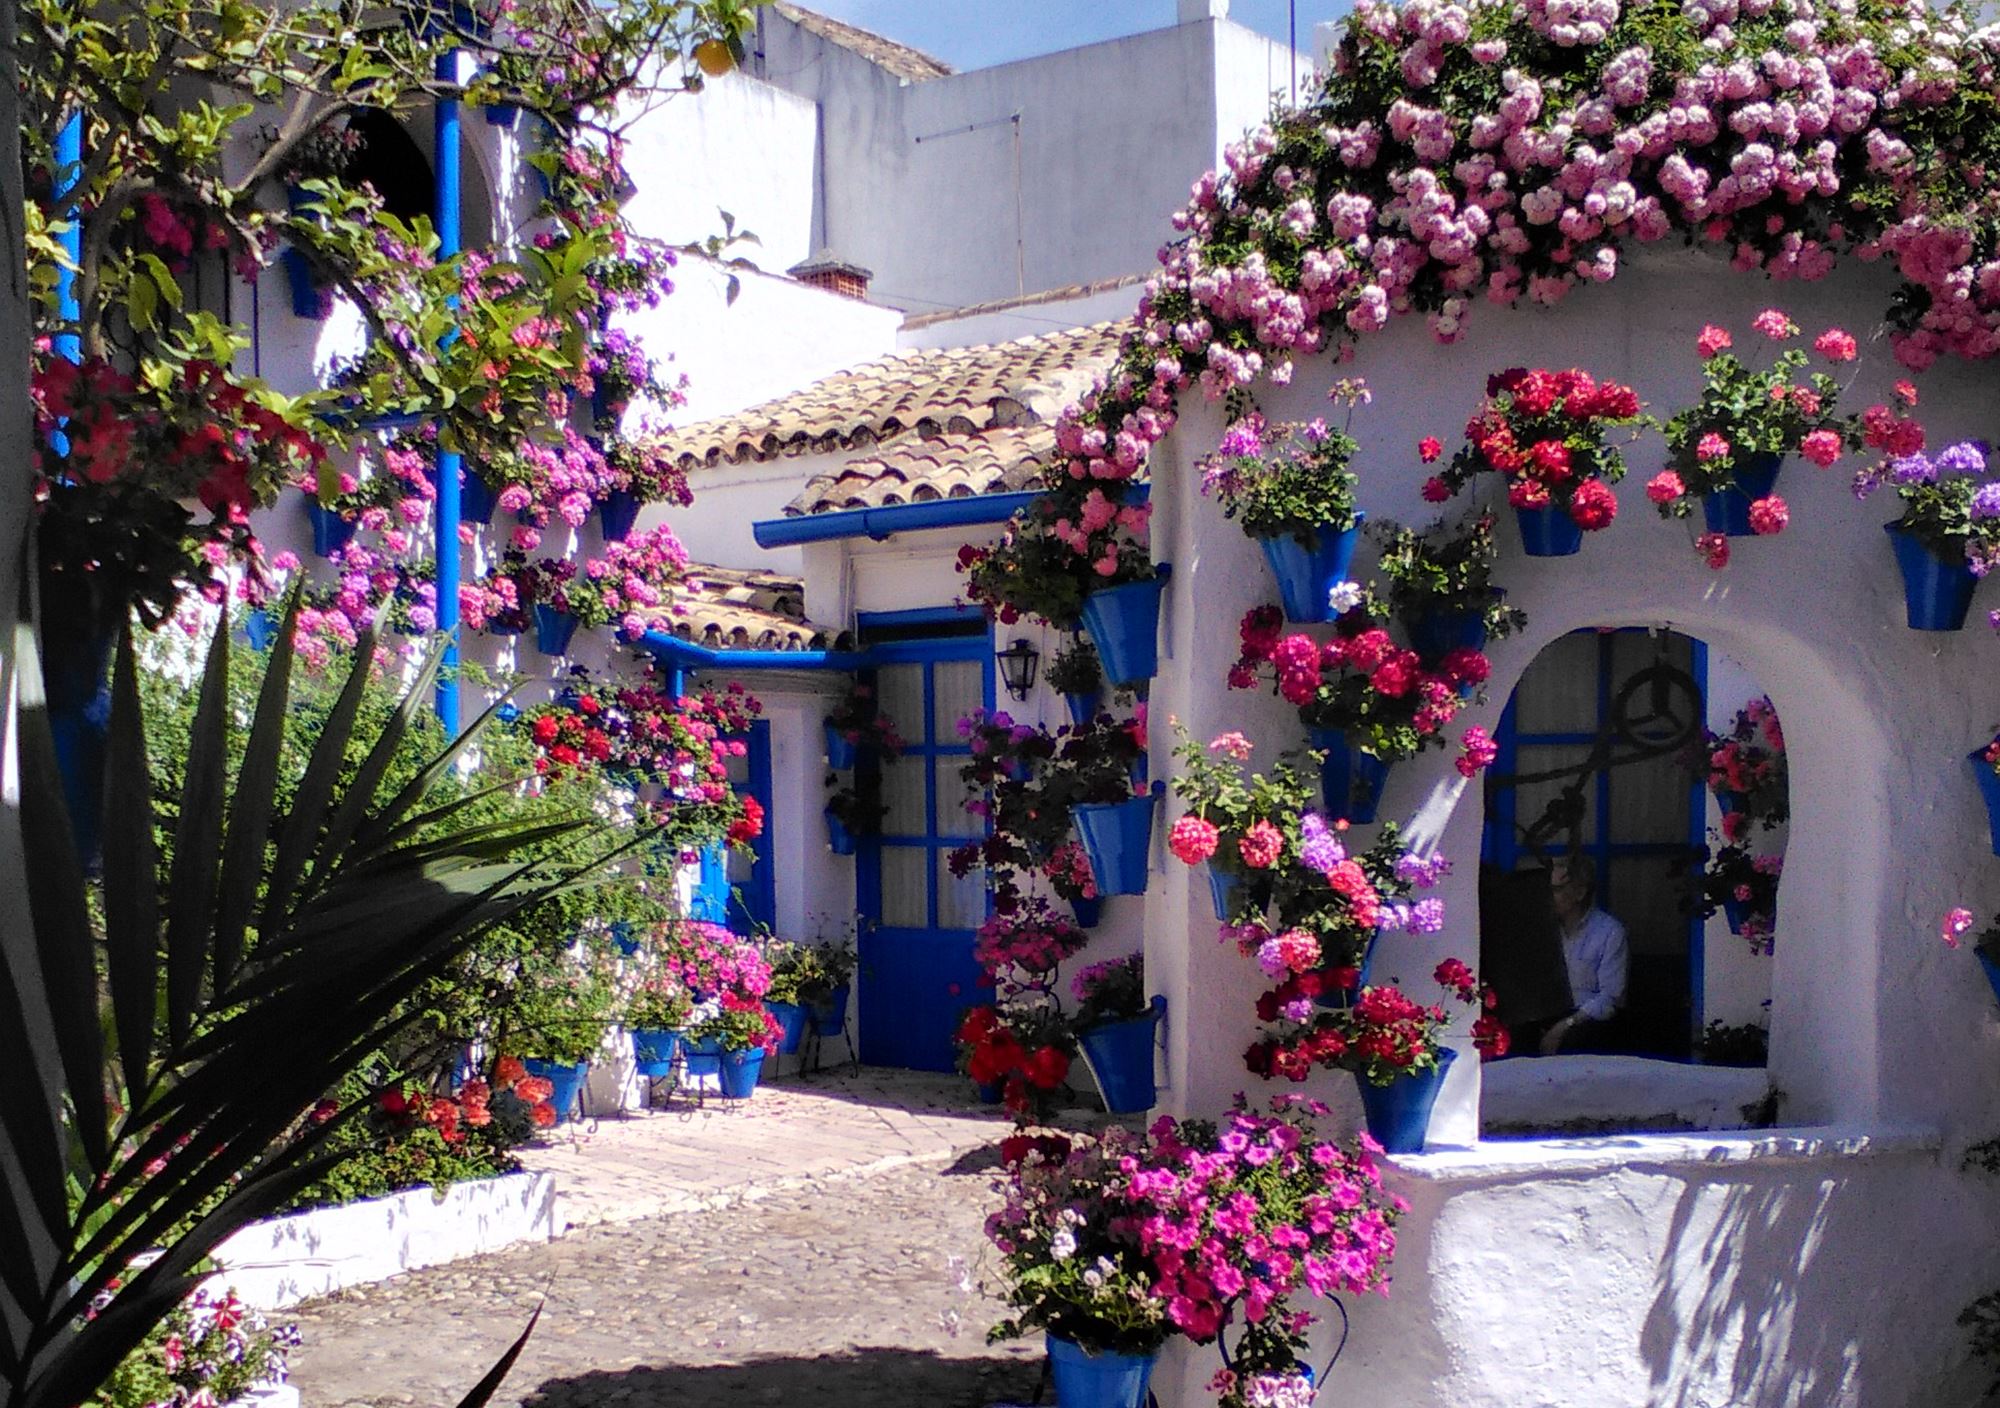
1222	888
990	1094
1118	837
1399	1113
76	645
1728	510
791	1018
1307	575
1936	594
842	752
503	115
1548	532
1088	912
1121	1057
476	499
1729	803
309	300
1124	625
617	514
1350	780
1989	790
260	628
653	1053
1992	971
1435	634
702	1057
621	938
568	1082
838	838
331	532
553	629
830	1016
1737	912
1082	707
1086	1380
502	626
739	1072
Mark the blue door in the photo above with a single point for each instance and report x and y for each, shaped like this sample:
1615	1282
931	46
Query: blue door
916	974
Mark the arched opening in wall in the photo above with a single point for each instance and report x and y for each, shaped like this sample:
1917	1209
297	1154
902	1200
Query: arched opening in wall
1629	870
388	158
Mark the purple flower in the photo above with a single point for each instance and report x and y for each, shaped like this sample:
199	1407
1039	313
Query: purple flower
1422	871
1913	469
1242	440
1967	457
1427	916
1986	502
1319	848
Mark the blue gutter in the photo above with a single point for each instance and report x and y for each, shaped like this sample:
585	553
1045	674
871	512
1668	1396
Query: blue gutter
684	656
879	523
447	157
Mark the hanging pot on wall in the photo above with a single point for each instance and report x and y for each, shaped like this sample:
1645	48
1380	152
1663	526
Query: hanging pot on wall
1306	574
331	532
838	838
1118	838
1350	780
1088	912
1435	634
1399	1113
1124	625
1989	791
616	515
1727	511
842	752
477	500
1548	532
1120	1055
1937	594
553	629
1082	707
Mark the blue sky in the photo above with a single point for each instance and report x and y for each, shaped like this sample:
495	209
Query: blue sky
978	33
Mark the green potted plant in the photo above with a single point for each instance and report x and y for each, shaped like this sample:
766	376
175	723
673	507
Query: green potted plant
658	1006
793	968
1222	803
1094	774
564	1005
1114	1026
1948	536
1075	674
1441	585
742	1032
855	724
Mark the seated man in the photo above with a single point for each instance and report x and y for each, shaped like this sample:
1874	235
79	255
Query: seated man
1594	951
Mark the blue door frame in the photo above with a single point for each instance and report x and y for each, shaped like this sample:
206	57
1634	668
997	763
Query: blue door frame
1501	844
916	980
749	903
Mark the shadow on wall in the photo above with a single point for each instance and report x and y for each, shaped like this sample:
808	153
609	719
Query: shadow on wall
1763	1287
867	1378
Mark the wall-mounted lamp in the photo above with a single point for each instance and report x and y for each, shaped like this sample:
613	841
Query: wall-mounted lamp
1017	667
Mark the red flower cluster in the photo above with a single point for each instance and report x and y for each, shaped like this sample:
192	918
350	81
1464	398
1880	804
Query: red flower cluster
1544	432
994	1054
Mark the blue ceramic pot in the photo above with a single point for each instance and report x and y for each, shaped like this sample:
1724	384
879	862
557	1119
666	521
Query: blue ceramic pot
476	499
1729	803
331	532
568	1082
1548	532
702	1057
1399	1113
1728	510
309	300
617	514
1086	1380
838	838
1222	888
653	1052
1121	1057
830	1016
1088	912
260	628
1937	594
1124	625
503	115
1989	791
1307	575
76	638
553	629
1082	707
739	1072
1435	634
1118	838
1737	912
1350	780
1992	971
842	752
791	1018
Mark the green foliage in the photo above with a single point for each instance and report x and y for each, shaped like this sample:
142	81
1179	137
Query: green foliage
1445	569
1076	669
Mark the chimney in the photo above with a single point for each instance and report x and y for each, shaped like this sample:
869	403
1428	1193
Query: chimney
828	271
1195	11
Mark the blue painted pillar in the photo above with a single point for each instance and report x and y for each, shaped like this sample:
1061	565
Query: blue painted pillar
445	218
69	164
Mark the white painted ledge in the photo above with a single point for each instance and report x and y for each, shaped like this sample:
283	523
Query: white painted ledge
285	1260
1526	1160
1548	1092
267	1396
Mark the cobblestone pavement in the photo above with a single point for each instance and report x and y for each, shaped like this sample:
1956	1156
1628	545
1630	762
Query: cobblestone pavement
686	1156
840	1293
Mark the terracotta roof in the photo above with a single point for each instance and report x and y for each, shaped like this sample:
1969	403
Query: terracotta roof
898	60
728	608
931	392
919	469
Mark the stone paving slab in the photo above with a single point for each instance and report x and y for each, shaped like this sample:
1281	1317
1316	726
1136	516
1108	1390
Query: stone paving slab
688	1157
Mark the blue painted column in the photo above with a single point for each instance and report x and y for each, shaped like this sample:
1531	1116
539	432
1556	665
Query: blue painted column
447	156
69	168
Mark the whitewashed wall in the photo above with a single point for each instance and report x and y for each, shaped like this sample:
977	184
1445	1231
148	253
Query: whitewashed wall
1874	1024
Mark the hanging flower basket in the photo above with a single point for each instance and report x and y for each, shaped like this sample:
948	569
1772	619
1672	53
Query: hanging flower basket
617	514
1350	780
1435	634
1086	1380
1089	913
1307	575
1222	888
653	1053
1399	1113
841	751
553	629
1737	912
1124	625
1082	707
331	532
567	1078
1727	511
739	1071
1548	532
1729	803
477	500
1118	837
829	1016
791	1020
1989	789
1121	1057
838	838
1937	594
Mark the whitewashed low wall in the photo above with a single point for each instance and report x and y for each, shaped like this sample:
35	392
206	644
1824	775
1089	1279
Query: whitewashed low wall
286	1260
1635	1092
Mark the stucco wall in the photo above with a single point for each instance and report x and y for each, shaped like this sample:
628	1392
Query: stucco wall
1873	1021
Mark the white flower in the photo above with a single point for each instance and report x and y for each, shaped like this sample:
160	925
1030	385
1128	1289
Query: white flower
1093	1278
1062	1246
1345	596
